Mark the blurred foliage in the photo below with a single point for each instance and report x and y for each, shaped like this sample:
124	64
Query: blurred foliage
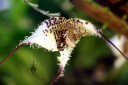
91	53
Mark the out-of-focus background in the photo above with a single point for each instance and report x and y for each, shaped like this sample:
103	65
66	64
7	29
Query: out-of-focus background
92	61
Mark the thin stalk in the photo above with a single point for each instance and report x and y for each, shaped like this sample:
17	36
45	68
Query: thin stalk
57	77
105	38
13	51
35	6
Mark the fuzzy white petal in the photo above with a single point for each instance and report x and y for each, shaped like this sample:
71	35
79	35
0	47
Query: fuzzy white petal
64	57
91	29
43	38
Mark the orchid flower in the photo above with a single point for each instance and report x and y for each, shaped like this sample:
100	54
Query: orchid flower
60	34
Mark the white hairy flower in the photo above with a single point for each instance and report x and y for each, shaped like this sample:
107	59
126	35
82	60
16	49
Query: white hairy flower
61	34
